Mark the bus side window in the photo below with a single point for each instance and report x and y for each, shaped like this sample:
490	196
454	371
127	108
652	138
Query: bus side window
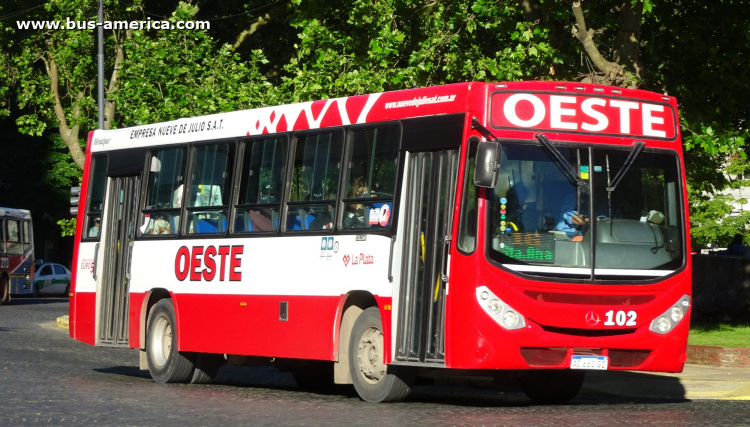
14	238
26	236
95	203
371	178
3	246
210	187
467	222
261	182
165	192
315	182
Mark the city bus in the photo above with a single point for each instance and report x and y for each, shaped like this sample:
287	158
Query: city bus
528	230
16	254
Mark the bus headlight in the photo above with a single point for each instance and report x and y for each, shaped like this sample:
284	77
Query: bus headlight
495	306
28	279
503	314
510	319
670	318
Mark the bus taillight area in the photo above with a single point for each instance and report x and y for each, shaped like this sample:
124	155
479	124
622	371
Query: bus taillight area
549	325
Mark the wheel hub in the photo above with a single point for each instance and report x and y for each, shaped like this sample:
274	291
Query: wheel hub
161	345
370	355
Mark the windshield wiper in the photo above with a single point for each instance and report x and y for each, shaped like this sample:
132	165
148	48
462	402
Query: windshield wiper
557	156
483	130
637	148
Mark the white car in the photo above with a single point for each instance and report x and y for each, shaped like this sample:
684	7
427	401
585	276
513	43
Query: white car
51	278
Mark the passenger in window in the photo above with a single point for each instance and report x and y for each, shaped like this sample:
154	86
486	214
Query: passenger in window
355	216
159	225
572	223
94	230
323	219
260	220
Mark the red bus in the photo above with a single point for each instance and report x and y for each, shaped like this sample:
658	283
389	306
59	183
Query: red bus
530	229
16	254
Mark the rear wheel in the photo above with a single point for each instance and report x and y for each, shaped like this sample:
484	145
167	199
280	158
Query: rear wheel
206	367
4	291
552	387
373	379
67	290
165	363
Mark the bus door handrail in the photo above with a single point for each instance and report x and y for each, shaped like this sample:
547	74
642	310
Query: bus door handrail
390	260
96	258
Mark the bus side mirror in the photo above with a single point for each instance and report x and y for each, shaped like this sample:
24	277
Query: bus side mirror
488	163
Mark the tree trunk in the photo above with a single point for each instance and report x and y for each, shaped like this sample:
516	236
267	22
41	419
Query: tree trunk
610	73
114	81
69	134
628	40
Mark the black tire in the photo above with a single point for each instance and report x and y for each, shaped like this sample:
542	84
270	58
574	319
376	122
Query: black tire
552	387
4	290
165	363
314	375
373	380
67	290
34	290
206	367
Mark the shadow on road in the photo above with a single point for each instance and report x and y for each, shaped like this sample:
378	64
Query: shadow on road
23	300
128	371
599	388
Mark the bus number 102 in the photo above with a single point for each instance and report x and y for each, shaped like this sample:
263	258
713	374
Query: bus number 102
621	318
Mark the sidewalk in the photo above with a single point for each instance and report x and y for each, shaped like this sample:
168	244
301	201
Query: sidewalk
695	382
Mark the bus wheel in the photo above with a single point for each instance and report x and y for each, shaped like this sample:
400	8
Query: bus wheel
552	387
4	291
165	363
206	367
372	378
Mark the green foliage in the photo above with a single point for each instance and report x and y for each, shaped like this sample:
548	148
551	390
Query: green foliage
185	73
720	334
363	46
67	226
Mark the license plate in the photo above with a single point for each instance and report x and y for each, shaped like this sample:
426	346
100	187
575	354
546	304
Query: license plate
590	362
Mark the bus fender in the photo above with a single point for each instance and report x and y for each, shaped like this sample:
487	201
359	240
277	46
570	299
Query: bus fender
352	305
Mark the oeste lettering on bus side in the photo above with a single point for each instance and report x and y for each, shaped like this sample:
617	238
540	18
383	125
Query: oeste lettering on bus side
200	263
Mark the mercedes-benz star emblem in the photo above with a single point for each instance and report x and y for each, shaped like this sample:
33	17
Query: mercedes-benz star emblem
592	318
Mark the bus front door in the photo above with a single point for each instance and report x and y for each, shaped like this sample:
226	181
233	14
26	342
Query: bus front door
119	231
428	215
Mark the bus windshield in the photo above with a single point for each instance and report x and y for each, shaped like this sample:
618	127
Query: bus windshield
542	223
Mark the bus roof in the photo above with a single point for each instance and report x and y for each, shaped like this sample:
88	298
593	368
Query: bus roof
14	213
358	109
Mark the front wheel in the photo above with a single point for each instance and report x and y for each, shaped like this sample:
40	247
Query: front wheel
34	290
552	387
373	379
165	363
4	290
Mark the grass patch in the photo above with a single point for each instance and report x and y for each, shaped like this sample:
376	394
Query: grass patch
720	334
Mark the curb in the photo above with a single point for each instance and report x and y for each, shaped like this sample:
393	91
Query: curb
720	357
63	322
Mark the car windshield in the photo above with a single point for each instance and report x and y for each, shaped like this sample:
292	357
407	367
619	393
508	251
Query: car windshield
541	223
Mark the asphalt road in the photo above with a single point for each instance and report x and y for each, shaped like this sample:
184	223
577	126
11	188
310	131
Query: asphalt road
46	378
